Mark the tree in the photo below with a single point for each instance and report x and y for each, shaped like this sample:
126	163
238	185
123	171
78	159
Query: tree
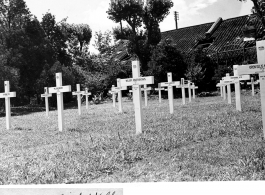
121	34
103	42
258	10
138	14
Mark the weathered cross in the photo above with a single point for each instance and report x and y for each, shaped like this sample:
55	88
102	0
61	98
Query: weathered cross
170	83
59	90
159	89
46	95
252	83
78	93
119	90
256	69
136	83
87	94
236	80
7	95
145	89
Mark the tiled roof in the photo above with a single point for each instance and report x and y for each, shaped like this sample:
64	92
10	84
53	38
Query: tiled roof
228	36
186	38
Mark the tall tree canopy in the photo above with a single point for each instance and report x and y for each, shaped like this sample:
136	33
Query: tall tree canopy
138	14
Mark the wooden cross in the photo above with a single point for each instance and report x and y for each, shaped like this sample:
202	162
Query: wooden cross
257	69
145	89
136	83
7	95
59	90
236	80
113	92
87	94
189	90
170	83
119	90
159	89
252	83
193	87
46	95
78	93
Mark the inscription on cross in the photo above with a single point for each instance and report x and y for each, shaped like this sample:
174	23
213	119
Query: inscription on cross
7	95
59	90
136	83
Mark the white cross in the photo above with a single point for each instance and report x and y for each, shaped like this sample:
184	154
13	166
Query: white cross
7	95
136	83
193	87
252	83
170	83
183	86
119	90
257	69
87	94
113	92
236	80
59	90
145	89
46	95
78	93
228	88
159	89
221	88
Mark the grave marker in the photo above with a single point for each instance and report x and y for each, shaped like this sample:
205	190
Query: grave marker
145	89
59	90
193	87
159	89
252	83
169	84
228	89
87	94
119	90
183	86
113	92
7	95
236	80
189	90
46	95
136	83
221	88
78	93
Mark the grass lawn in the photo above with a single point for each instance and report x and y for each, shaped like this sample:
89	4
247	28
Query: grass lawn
206	140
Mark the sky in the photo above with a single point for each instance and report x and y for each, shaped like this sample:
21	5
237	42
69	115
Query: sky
93	12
